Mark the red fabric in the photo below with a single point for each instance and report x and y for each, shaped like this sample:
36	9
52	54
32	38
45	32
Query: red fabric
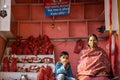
35	50
79	46
48	70
45	44
110	35
92	78
115	58
50	49
45	73
14	46
44	49
13	67
27	50
49	74
32	46
41	73
6	64
46	39
13	49
20	49
93	63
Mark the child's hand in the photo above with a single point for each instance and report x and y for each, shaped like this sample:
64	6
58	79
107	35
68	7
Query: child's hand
65	63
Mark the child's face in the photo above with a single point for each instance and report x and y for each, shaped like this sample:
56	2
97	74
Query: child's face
64	58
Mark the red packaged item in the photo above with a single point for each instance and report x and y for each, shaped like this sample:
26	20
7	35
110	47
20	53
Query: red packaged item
49	73
41	73
27	50
13	66
46	39
50	49
44	49
47	60
28	47
20	49
6	64
14	46
35	50
13	49
38	41
45	44
79	46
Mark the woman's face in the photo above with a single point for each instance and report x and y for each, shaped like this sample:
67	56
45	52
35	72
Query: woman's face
92	42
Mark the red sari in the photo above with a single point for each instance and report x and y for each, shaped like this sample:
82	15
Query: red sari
93	65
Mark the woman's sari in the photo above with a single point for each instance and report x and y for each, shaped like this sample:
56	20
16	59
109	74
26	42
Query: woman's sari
93	65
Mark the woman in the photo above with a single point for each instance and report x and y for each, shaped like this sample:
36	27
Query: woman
94	63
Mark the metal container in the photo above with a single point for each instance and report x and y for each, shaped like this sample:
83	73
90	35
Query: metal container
24	77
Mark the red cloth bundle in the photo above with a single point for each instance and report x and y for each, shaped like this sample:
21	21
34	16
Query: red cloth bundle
46	39
39	41
14	46
29	47
49	73
32	46
13	67
6	64
35	46
44	49
20	49
27	51
13	49
45	73
45	45
35	50
50	49
41	73
79	46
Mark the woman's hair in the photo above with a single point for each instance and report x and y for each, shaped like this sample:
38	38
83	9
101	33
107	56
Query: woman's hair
92	35
64	53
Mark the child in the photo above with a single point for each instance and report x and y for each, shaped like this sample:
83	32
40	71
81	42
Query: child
63	68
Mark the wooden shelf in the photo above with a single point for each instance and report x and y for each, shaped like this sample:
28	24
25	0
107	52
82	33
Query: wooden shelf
72	3
71	20
17	75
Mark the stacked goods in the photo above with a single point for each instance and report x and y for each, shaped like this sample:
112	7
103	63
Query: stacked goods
32	46
10	63
6	64
33	55
45	73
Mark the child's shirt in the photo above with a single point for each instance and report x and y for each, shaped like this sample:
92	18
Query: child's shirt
60	69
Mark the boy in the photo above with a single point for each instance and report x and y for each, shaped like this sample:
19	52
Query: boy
63	68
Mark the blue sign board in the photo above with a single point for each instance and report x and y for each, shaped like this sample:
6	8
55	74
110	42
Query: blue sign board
57	10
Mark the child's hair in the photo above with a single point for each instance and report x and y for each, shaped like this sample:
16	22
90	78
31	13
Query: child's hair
64	53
